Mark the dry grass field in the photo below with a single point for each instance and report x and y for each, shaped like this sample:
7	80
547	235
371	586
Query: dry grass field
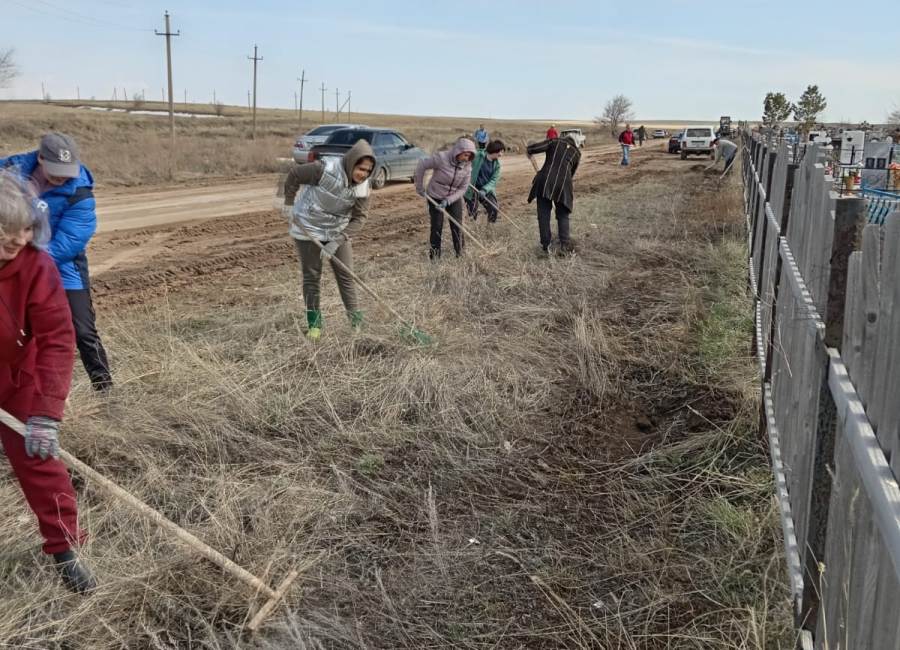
124	149
573	464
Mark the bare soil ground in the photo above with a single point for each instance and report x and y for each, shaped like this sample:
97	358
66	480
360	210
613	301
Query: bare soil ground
180	234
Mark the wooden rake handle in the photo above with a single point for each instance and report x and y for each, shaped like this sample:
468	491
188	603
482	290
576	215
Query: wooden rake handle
457	223
501	212
153	515
346	269
530	158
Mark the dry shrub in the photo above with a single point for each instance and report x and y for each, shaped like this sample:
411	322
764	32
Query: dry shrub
560	470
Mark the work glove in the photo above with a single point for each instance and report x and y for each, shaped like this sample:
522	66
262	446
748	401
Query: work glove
482	193
42	437
329	249
287	211
443	204
421	192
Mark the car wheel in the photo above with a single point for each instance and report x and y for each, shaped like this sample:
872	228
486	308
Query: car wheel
379	178
684	155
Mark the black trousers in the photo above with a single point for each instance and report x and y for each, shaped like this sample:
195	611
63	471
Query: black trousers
489	202
437	227
93	356
544	208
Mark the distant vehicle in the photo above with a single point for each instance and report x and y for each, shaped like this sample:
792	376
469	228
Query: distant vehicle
395	157
659	133
698	140
725	126
575	134
318	135
675	142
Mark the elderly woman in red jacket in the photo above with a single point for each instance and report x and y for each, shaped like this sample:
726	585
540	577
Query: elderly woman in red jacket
37	343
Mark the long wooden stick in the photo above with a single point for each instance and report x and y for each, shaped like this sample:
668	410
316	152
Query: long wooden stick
500	212
158	518
530	158
457	223
346	269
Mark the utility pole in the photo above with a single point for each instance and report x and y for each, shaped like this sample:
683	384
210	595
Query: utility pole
348	104
248	100
168	34
302	81
78	93
43	93
214	96
337	104
255	59
115	97
185	97
323	89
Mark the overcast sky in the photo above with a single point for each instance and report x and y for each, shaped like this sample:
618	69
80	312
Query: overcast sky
676	59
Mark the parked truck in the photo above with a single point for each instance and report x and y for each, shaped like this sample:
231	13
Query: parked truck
725	126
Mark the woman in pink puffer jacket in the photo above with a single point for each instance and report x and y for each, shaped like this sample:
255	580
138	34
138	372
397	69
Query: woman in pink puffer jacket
451	173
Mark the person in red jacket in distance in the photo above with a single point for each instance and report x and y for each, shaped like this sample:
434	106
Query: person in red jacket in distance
626	139
37	340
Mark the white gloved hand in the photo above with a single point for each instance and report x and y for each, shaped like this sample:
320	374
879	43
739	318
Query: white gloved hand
287	211
329	249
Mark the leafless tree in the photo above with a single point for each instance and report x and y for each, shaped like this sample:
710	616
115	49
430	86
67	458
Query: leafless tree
616	111
8	68
894	117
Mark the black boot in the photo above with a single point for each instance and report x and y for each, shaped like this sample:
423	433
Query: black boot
75	575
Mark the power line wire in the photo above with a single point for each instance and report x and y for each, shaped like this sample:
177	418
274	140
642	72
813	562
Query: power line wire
52	10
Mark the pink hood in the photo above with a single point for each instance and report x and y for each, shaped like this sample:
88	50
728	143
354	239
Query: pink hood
450	178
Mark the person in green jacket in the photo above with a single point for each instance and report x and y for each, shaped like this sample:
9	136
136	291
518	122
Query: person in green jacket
485	174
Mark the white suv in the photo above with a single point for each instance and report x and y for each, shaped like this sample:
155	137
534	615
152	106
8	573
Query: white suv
575	134
698	140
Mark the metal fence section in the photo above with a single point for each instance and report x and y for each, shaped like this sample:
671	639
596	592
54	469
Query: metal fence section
826	276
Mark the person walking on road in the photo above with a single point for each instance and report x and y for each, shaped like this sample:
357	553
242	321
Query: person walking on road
481	137
328	200
485	176
552	187
36	362
642	135
450	178
626	139
66	186
552	133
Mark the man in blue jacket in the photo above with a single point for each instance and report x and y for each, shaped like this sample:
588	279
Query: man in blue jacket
66	186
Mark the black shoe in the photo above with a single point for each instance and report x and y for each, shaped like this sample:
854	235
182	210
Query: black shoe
75	575
102	385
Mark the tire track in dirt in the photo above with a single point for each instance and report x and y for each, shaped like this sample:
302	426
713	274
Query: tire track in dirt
136	265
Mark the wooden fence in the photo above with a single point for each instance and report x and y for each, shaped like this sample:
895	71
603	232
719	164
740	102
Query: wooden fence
826	282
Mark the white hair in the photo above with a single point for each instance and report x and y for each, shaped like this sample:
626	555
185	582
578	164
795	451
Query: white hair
20	208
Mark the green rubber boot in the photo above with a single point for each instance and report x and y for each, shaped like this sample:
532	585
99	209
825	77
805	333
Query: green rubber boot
356	319
314	322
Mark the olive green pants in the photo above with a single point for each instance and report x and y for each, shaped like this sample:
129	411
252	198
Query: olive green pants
311	268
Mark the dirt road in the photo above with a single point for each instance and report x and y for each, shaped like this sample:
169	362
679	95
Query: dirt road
166	238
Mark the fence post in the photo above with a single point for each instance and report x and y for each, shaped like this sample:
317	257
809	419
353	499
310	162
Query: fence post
785	215
849	218
761	217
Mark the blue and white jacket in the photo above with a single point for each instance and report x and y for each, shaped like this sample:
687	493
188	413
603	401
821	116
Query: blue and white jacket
73	219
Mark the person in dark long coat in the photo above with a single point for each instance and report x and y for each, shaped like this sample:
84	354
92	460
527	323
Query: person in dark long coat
552	187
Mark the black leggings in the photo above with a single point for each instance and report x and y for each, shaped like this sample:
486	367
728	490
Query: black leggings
544	208
437	227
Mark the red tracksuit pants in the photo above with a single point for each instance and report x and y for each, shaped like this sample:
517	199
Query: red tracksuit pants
48	490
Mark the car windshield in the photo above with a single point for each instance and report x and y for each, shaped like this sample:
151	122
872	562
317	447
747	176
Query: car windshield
699	133
350	136
325	130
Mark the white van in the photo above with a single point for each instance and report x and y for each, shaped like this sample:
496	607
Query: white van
698	140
